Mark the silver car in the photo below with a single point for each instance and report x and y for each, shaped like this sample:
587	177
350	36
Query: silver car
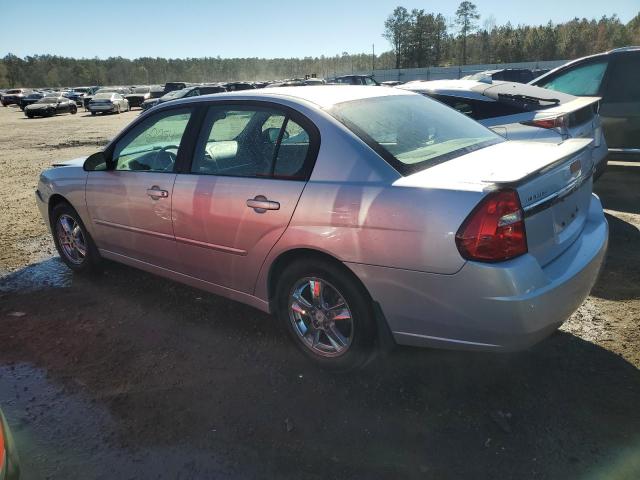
108	102
523	112
357	215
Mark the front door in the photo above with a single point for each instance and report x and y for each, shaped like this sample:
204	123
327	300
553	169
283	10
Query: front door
249	168
620	105
130	204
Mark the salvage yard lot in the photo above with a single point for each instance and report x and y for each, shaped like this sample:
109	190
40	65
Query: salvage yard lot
127	375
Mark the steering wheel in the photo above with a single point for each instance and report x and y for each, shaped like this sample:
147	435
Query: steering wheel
167	161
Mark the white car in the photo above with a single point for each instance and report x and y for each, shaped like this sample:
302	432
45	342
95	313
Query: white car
523	112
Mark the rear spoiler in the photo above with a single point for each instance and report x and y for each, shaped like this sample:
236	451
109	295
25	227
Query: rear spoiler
568	107
561	153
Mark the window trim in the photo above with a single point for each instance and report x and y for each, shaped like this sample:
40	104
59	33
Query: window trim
288	112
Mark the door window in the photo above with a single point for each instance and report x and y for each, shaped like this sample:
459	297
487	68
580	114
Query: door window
251	142
152	146
584	80
292	153
624	81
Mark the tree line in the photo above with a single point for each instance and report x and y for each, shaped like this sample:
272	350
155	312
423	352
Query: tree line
417	38
421	39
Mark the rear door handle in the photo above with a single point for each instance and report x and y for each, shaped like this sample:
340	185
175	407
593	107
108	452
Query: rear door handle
155	192
261	204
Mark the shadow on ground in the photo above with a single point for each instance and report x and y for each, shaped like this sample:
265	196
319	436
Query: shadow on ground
214	388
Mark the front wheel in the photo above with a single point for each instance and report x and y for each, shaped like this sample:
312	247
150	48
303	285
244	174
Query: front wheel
327	313
74	110
73	242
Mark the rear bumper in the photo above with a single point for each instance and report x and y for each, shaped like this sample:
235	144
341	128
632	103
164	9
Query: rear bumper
102	108
505	306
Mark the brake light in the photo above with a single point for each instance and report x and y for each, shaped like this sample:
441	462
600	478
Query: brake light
494	231
554	122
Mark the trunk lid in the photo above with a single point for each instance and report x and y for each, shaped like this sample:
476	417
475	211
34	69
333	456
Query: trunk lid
553	181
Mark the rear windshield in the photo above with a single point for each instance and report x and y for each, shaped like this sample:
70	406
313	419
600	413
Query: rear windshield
412	132
141	90
104	95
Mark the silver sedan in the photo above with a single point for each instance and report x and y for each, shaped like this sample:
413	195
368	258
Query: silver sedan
357	215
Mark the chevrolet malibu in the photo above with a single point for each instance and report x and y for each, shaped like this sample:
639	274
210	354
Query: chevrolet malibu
359	216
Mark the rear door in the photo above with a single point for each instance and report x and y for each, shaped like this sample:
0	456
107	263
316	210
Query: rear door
130	204
620	106
250	165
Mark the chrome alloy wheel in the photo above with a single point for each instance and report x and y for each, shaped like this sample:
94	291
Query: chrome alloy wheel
71	239
321	317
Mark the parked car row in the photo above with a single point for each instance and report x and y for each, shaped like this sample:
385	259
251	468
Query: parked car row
596	97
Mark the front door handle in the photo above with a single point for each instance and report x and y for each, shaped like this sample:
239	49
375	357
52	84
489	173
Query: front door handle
261	204
155	192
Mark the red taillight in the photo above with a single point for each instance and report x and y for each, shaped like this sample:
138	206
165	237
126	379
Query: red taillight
555	122
494	231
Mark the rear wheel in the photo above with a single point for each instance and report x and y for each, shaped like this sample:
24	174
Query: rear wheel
327	313
74	110
73	242
93	113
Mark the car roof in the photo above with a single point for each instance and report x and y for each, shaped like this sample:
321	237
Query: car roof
323	96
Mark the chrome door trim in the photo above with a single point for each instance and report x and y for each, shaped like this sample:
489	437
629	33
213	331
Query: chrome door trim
133	229
624	150
212	246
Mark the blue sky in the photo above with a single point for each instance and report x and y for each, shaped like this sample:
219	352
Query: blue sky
244	28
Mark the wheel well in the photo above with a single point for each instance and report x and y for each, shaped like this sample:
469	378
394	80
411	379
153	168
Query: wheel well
55	200
292	255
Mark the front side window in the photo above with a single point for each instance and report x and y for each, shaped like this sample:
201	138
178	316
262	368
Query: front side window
624	81
251	142
412	132
584	80
152	146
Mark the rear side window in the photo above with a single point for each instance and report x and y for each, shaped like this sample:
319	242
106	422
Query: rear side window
583	80
624	81
460	104
252	142
412	132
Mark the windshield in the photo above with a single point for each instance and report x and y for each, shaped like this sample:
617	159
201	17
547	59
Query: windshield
103	96
174	94
49	100
141	90
412	132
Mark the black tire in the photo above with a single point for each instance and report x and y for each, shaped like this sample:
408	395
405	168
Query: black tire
29	115
91	261
74	110
93	113
363	343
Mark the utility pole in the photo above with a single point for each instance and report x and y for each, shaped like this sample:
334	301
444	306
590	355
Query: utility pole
373	58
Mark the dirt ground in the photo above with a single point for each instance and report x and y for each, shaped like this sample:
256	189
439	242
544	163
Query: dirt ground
126	375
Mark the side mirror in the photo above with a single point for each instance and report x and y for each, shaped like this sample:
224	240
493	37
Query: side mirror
96	162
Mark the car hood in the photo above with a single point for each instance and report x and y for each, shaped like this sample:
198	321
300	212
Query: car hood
75	162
